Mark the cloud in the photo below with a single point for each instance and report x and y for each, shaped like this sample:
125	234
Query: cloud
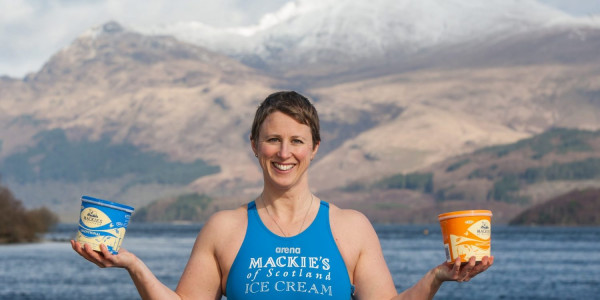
33	30
575	7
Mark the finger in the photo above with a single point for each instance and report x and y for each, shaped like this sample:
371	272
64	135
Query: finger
456	269
89	252
81	251
491	261
479	266
107	254
105	251
470	264
486	262
77	248
466	271
94	256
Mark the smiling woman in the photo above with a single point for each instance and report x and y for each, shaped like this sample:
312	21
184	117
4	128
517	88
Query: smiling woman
246	253
284	149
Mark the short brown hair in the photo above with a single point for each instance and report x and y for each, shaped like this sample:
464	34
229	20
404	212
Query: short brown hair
292	104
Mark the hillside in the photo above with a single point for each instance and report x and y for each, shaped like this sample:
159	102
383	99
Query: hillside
577	208
529	171
507	179
426	116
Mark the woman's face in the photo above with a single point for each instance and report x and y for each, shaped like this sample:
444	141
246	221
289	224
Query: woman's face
284	148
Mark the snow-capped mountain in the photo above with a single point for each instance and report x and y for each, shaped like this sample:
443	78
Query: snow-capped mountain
333	32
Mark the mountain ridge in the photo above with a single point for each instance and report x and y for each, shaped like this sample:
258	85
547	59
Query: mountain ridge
331	34
165	96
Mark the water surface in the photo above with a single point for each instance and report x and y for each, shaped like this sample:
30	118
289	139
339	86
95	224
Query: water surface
530	263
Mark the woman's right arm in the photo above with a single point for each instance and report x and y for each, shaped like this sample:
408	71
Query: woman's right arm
201	278
148	286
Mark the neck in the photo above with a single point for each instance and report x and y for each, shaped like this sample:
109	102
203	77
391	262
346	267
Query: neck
285	213
286	205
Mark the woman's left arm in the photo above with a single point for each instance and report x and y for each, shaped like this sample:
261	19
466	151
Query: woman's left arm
429	284
372	277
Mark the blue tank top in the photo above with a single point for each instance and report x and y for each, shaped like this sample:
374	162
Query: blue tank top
306	266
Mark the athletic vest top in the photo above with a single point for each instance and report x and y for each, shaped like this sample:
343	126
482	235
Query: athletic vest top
306	266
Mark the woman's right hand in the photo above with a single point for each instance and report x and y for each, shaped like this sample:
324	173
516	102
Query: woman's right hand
105	259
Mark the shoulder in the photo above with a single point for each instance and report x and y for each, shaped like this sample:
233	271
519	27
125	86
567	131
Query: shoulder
360	247
356	239
352	231
227	220
224	226
213	251
349	221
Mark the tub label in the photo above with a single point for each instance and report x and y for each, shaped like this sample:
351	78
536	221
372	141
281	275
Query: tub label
466	247
481	229
93	218
97	227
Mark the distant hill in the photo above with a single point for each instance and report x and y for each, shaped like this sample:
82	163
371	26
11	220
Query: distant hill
183	208
526	172
97	160
507	179
579	207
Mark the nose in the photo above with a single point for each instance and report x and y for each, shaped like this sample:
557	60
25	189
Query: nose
284	150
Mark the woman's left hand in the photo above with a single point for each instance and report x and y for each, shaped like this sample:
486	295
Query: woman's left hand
462	273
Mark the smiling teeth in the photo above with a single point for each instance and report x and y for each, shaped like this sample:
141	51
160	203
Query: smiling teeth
283	167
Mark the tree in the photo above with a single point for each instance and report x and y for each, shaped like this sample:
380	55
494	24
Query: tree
19	225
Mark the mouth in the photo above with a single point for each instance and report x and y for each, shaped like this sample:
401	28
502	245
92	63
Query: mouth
282	167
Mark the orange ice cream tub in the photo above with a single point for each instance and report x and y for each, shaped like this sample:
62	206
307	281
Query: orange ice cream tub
466	233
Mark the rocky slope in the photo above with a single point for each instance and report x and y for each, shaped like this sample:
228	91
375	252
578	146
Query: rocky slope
117	87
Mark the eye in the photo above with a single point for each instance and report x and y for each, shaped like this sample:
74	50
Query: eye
273	140
297	141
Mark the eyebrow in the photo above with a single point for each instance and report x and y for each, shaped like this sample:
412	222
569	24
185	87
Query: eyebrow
279	136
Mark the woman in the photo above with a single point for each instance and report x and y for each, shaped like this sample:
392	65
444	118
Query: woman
287	243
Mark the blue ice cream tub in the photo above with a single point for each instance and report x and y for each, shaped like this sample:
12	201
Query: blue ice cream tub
103	222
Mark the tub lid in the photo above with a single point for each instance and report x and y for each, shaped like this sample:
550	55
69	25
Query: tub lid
464	213
107	203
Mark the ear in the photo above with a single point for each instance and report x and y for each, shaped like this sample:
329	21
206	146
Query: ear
253	145
314	152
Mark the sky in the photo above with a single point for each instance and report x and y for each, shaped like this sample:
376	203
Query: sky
31	31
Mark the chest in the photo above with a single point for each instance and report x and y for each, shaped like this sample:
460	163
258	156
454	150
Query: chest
265	264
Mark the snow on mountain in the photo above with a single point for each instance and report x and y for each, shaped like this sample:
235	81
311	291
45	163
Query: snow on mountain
333	31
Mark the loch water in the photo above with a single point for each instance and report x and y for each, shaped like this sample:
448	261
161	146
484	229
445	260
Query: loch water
530	263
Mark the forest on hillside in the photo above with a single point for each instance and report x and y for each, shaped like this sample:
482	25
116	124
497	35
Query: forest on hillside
19	225
577	208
